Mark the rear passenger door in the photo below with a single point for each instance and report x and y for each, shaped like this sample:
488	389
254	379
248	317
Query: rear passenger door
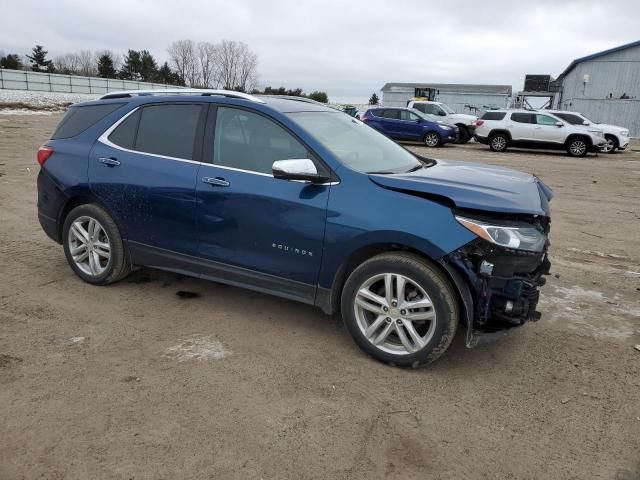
256	230
144	170
521	126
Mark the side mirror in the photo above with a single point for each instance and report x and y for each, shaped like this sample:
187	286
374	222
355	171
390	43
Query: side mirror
586	123
297	169
442	113
559	124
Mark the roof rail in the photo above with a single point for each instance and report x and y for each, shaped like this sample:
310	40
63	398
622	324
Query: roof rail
181	91
299	99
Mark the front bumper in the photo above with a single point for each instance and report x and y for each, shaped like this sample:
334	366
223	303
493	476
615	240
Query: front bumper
503	286
451	135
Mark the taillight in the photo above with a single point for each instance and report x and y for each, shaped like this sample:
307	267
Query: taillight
479	123
44	152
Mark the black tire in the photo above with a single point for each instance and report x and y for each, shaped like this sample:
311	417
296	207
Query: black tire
498	142
118	266
464	136
613	144
577	146
435	284
432	140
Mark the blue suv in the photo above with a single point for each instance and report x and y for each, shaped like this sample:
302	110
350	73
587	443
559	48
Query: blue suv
289	197
410	124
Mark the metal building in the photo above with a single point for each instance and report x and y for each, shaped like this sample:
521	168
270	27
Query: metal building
461	97
604	87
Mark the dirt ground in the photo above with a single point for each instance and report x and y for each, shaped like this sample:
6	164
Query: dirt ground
132	381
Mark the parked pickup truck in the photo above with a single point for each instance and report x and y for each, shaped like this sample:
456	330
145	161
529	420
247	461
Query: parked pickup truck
466	123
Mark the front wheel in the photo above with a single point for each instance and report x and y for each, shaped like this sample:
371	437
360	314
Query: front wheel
612	144
93	245
432	139
399	309
577	147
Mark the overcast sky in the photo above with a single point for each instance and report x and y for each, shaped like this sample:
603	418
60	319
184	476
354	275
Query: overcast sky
347	48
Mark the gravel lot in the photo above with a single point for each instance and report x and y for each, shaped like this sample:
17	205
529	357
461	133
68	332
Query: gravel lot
131	381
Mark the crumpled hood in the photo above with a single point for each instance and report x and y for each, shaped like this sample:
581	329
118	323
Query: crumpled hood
475	186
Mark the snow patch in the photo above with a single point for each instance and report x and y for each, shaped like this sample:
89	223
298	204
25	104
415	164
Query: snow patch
590	312
197	347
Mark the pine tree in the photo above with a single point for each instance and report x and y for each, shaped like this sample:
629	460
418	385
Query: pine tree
148	67
132	66
374	100
165	75
11	61
38	59
105	66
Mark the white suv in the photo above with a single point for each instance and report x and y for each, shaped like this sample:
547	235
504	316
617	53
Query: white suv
501	129
617	137
465	123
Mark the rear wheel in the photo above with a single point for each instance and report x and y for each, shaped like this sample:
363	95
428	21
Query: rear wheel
93	245
577	147
400	309
498	142
432	140
612	144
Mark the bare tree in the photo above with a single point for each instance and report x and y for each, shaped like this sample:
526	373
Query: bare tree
182	54
236	65
207	54
68	63
87	65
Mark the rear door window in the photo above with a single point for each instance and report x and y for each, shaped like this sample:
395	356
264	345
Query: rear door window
80	118
523	117
168	130
493	115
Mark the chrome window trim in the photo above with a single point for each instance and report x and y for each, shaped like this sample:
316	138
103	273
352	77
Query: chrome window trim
104	139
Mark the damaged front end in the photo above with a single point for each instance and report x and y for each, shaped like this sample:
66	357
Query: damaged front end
503	268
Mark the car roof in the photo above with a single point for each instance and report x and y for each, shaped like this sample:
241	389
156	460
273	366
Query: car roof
282	104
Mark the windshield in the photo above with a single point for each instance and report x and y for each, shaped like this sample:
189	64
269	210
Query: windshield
571	118
425	116
355	144
447	108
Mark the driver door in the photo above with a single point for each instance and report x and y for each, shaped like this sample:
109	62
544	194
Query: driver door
547	130
255	230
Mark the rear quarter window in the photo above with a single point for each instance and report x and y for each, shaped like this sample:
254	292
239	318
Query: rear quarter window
80	118
493	115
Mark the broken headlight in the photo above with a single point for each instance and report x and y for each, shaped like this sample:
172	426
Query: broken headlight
518	237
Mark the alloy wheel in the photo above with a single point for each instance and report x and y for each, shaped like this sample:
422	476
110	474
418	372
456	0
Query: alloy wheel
609	146
578	148
395	314
431	139
499	143
89	246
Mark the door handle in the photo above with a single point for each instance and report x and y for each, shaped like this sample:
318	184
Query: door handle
537	128
109	162
216	181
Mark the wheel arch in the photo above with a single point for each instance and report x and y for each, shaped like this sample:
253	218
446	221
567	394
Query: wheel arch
496	131
574	136
82	198
329	299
